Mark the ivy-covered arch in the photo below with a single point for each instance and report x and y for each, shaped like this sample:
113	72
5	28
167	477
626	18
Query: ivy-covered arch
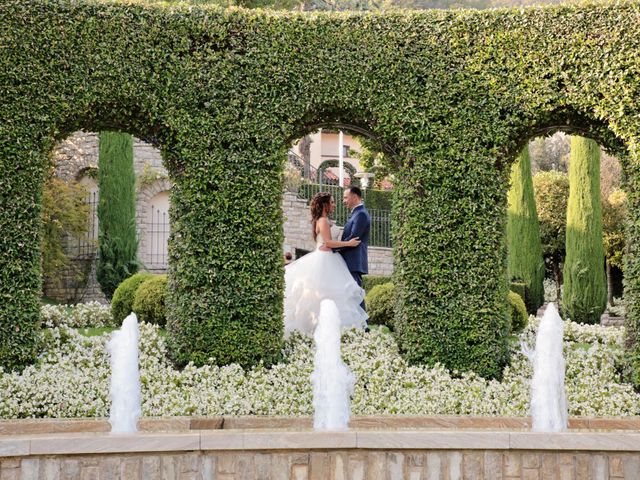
455	92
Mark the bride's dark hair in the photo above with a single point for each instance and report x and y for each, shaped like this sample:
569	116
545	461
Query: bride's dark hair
319	203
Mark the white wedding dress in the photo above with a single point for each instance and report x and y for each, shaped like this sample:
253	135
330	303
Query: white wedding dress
317	276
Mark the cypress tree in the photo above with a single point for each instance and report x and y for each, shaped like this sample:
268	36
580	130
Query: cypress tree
585	286
117	238
525	262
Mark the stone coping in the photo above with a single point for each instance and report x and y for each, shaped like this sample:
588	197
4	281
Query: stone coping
270	440
377	422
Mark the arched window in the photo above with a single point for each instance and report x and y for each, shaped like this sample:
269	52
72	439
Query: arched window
157	232
87	246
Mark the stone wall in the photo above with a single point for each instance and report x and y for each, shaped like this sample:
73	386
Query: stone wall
330	464
384	447
297	224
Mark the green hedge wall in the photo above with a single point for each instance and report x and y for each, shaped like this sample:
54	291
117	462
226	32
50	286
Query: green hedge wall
454	94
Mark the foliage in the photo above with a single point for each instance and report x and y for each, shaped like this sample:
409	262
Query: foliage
72	380
117	238
370	281
517	312
373	160
223	93
614	212
524	260
552	194
610	174
551	291
550	154
380	304
149	302
81	315
64	212
148	176
373	199
617	308
123	297
335	5
585	288
518	287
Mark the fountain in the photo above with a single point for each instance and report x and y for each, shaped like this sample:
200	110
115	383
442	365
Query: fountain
548	399
378	446
332	380
125	377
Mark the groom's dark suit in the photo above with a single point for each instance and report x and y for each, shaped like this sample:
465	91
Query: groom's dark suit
358	225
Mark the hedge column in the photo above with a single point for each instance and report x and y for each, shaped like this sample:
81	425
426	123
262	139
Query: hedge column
585	285
632	266
525	261
449	223
226	271
20	279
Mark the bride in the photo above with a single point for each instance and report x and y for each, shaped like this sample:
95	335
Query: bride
322	274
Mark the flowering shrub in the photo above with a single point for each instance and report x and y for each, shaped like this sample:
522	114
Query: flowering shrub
618	309
82	315
550	290
71	379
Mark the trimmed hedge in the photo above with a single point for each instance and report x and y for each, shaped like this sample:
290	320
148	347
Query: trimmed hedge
524	260
380	303
370	281
453	94
518	287
123	297
150	299
518	314
117	237
584	296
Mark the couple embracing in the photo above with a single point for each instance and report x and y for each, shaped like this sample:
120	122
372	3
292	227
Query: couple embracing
333	270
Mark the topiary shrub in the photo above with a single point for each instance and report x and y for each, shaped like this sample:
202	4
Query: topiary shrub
117	237
518	287
149	302
370	281
122	302
380	301
517	312
524	259
584	296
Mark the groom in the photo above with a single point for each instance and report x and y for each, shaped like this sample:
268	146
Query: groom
358	225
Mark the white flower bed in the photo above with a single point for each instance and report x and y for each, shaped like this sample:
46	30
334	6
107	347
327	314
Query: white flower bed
91	314
72	380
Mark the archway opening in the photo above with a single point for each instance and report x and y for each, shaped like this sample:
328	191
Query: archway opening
562	217
332	156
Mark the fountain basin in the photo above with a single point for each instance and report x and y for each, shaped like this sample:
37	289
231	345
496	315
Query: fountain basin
377	447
